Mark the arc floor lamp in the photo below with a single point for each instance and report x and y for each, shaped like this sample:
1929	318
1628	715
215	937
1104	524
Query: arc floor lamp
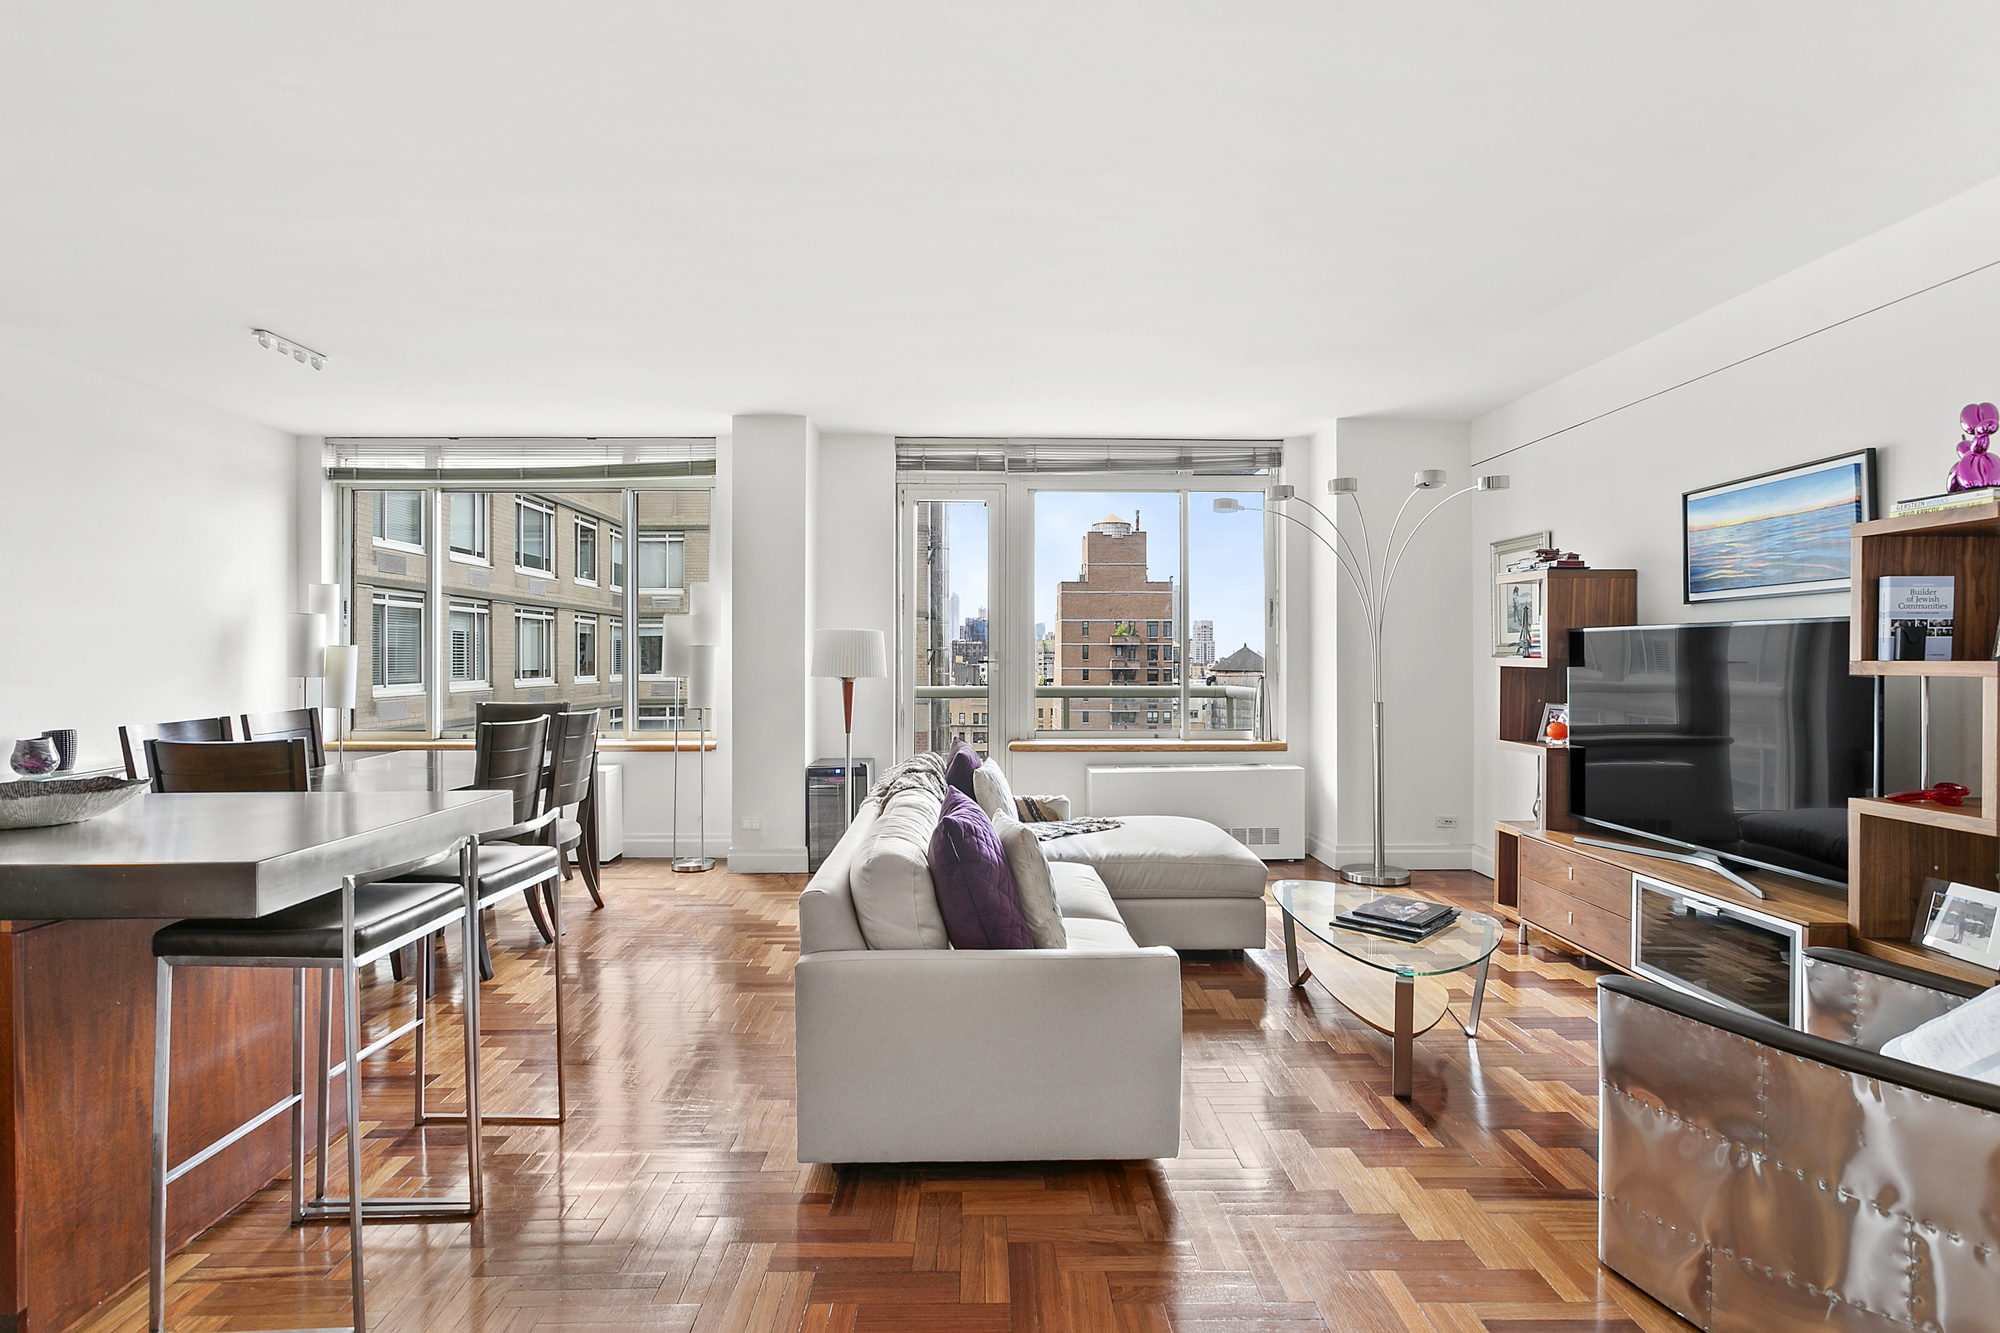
1372	579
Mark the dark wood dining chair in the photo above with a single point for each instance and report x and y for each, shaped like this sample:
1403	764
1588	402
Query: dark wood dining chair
300	722
508	711
212	766
132	740
571	776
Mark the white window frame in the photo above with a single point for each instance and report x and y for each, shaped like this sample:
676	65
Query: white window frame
546	617
579	623
614	569
390	543
483	520
576	552
475	609
614	647
385	598
671	539
548	512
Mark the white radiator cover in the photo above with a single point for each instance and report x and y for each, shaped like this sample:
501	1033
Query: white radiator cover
1262	806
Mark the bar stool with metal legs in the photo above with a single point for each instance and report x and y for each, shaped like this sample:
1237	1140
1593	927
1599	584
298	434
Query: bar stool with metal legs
372	915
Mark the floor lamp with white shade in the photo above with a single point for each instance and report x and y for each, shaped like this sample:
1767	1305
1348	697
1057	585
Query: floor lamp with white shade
848	655
343	675
1372	577
703	628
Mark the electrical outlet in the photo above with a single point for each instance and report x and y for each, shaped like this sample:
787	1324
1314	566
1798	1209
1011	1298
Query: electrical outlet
1447	821
752	822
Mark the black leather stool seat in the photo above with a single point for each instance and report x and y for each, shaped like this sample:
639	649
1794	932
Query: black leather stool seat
382	912
503	868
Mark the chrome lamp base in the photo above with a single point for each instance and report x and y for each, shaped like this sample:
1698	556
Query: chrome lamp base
1374	876
694	865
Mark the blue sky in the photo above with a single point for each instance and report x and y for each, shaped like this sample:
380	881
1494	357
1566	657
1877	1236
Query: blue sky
1782	496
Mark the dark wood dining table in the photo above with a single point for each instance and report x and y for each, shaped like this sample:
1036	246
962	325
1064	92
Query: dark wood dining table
78	908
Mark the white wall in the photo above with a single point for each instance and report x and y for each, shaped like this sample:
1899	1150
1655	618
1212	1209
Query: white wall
854	571
153	556
1425	675
774	517
1893	376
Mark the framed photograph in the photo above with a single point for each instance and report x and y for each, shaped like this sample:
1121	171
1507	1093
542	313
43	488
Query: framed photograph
1558	714
1506	553
1962	921
1776	534
1521	618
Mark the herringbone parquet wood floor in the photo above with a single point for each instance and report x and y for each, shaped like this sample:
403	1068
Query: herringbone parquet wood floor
1305	1196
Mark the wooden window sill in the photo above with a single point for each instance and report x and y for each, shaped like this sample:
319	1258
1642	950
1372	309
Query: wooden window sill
603	746
1073	746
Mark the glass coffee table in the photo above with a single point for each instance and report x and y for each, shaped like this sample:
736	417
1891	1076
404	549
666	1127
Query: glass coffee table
1376	977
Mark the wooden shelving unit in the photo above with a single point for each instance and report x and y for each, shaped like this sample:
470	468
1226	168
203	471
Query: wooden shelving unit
1571	599
1892	848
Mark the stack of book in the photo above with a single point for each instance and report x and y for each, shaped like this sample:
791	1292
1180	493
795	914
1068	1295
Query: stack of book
1547	557
1930	504
1406	919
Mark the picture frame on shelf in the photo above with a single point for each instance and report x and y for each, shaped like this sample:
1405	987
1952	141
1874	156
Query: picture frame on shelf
1776	534
1521	619
1505	552
1557	714
1962	921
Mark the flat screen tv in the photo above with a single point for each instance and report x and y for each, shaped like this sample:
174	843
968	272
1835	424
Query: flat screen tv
1741	739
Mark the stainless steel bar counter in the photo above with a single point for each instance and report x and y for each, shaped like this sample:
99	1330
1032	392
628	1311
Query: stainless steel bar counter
80	904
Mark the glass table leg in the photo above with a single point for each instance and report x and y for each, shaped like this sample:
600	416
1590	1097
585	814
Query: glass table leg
1478	995
1405	1052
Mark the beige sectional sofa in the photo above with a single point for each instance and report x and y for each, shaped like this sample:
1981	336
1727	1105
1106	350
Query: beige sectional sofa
911	1051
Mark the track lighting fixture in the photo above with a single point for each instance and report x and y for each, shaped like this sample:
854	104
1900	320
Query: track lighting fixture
305	356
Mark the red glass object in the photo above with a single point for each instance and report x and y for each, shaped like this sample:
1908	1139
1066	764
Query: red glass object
1944	793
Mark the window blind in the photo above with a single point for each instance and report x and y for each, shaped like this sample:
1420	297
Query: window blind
399	643
1207	457
413	461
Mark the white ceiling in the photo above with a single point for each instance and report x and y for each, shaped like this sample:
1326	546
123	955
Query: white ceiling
1036	217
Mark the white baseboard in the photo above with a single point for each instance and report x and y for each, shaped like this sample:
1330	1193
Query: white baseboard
768	861
660	846
1482	861
1411	856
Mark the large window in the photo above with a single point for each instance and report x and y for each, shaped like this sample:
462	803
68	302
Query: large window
534	536
399	519
534	658
468	526
471	628
398	644
495	610
1046	604
586	649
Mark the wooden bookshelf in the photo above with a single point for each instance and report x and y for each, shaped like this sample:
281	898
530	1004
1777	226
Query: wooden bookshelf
1571	599
1893	847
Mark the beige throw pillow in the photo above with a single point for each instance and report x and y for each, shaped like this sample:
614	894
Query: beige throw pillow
1031	881
991	789
894	899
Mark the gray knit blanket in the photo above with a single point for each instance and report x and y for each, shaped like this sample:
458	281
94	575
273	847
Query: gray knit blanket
1064	828
921	773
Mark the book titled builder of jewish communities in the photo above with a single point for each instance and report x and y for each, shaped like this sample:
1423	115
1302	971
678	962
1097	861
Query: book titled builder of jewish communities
1913	618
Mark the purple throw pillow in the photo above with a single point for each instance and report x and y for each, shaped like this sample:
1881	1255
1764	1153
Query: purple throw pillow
975	888
959	768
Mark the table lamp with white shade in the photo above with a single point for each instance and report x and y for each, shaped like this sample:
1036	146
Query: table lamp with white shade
343	676
305	638
848	655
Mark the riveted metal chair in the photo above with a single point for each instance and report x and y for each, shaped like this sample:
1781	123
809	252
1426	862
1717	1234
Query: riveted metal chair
372	915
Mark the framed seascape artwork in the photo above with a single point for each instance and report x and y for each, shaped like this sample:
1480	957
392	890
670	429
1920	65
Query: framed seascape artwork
1512	608
1777	533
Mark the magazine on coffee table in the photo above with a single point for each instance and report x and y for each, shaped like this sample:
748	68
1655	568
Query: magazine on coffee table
1396	911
